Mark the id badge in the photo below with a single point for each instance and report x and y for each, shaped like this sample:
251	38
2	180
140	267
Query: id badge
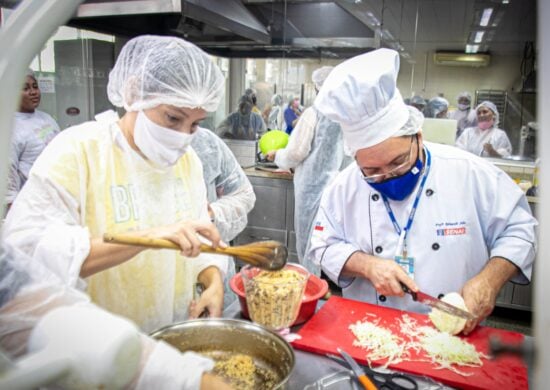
407	263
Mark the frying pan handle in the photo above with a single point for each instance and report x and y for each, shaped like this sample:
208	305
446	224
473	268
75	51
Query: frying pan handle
408	291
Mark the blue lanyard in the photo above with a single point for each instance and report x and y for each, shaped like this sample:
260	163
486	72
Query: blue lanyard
415	204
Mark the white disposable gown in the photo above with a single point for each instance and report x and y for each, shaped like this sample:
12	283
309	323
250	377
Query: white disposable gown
89	181
316	152
473	139
28	291
31	133
465	118
469	211
229	192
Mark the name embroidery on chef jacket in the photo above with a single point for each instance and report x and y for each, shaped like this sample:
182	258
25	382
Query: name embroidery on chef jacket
451	229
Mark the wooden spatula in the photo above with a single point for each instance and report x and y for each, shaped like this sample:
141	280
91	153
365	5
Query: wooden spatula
269	255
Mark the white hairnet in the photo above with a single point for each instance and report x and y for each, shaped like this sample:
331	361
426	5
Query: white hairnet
413	124
277	100
437	105
153	70
30	73
491	106
320	75
464	94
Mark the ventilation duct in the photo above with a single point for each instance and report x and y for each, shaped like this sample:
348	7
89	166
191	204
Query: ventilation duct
461	59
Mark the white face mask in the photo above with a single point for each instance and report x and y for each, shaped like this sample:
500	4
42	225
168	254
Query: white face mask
463	107
162	146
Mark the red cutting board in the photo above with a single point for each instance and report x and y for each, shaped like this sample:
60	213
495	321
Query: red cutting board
328	329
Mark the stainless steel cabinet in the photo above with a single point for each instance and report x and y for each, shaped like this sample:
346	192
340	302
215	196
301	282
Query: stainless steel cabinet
272	217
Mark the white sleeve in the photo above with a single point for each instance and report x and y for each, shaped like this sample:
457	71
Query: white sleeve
299	143
235	195
167	368
14	180
328	246
462	141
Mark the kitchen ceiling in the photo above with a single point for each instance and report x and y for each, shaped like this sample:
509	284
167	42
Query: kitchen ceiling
318	29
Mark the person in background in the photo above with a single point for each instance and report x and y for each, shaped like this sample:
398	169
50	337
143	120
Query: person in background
32	131
243	123
485	139
138	176
437	108
275	117
428	216
316	152
418	102
252	95
292	113
29	291
229	192
465	115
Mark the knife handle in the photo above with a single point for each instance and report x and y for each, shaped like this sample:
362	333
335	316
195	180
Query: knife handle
366	382
408	291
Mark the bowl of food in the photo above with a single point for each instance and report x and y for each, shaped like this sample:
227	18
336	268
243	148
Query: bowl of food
246	355
315	288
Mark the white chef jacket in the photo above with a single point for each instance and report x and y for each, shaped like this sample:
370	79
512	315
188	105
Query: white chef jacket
469	211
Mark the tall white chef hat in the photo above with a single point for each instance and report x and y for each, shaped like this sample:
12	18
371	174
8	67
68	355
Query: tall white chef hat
361	95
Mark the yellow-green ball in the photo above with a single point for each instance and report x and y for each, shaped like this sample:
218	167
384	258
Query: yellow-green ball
273	140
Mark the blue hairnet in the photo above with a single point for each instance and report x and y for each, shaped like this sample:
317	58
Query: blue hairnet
437	105
418	100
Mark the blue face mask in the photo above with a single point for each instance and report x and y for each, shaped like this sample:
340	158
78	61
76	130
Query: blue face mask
398	188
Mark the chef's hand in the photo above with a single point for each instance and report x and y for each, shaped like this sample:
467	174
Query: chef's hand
480	298
270	156
384	274
186	235
211	298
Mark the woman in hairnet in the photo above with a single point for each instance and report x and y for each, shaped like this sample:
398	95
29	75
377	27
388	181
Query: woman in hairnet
315	150
437	108
465	115
418	102
136	175
29	291
229	192
486	139
243	123
32	131
276	117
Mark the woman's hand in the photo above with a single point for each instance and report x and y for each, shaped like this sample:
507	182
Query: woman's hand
186	235
270	156
490	150
212	297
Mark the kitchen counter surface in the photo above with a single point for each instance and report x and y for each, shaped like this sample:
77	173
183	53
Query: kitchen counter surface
310	368
267	173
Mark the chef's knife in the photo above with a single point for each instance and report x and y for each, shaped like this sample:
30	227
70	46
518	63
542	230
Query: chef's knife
359	373
438	304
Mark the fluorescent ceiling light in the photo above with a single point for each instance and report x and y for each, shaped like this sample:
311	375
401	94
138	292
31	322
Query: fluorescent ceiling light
485	17
479	36
505	1
471	49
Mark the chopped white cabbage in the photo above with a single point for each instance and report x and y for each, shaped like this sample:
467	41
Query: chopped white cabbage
447	322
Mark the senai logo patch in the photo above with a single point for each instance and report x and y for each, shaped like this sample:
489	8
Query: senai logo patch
451	231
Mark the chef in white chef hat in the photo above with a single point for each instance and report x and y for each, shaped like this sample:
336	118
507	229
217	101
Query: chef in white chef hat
367	103
382	223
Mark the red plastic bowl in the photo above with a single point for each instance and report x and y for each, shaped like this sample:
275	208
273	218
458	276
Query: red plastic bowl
315	289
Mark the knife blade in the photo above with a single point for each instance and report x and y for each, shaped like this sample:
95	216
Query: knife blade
359	373
438	304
